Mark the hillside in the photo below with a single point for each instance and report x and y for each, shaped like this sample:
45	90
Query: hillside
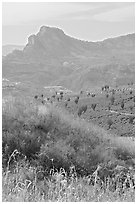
6	49
68	120
53	58
49	154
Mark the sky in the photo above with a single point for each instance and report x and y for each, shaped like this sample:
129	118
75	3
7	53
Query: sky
88	21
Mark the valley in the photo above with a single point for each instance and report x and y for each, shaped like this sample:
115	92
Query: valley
68	119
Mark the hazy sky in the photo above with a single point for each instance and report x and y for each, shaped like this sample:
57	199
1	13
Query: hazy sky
87	21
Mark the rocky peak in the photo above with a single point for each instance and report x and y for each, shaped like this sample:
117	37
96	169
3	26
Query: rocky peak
49	41
31	39
50	30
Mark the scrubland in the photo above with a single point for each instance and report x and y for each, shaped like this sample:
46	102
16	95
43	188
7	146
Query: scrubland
50	155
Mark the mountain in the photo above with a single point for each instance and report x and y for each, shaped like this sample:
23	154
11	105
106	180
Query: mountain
6	49
53	58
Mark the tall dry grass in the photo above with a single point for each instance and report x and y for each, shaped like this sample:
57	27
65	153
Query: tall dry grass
25	184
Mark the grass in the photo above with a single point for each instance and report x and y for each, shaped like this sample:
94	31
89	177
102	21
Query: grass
25	184
39	143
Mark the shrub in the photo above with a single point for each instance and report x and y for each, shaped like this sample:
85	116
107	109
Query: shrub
112	99
109	122
61	96
131	119
131	107
109	107
76	100
82	109
122	104
113	91
36	97
57	136
106	87
81	92
93	106
61	93
107	95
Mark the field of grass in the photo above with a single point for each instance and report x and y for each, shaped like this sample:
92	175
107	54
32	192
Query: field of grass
51	155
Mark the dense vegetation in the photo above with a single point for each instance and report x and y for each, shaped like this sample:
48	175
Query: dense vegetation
50	155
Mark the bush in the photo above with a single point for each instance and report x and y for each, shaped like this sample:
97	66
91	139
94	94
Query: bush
36	97
109	122
57	136
61	155
109	107
82	109
107	95
131	119
131	107
93	106
122	104
113	91
112	99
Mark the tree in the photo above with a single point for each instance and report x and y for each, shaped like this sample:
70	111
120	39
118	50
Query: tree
36	97
53	96
102	88
61	93
61	97
107	95
81	92
109	107
106	87
113	91
76	100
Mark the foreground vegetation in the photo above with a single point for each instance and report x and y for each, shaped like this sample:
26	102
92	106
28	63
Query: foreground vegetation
48	155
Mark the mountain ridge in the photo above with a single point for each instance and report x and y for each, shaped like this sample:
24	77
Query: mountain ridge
53	41
60	59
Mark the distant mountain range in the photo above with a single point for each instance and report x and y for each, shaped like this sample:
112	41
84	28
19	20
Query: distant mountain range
53	58
6	49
